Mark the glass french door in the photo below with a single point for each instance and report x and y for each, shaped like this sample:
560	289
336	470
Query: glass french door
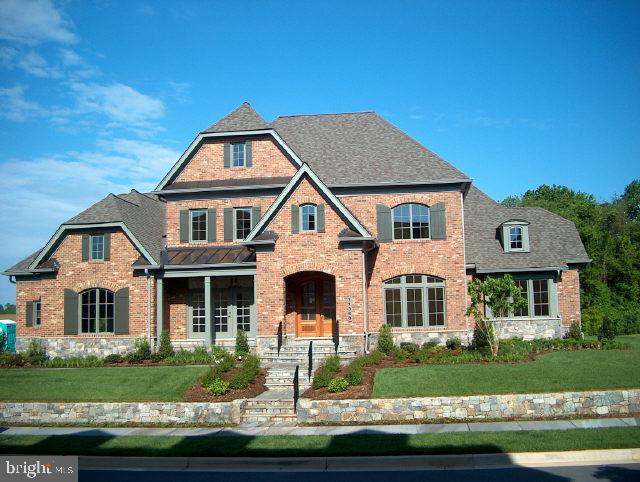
233	310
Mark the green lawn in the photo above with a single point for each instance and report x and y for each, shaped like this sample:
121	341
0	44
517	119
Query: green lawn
558	371
97	384
305	446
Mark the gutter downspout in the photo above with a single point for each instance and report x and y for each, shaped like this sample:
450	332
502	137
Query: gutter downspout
464	269
364	302
146	272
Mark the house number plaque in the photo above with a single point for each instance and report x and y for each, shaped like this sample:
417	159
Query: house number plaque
349	308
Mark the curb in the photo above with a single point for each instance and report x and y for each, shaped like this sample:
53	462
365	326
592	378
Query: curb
362	464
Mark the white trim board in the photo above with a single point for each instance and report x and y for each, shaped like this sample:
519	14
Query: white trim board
205	135
322	187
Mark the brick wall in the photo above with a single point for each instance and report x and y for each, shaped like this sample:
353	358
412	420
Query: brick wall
569	297
208	162
79	275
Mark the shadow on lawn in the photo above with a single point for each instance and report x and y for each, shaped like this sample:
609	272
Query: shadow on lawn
366	442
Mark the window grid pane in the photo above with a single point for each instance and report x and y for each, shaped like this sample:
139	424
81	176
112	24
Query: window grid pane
540	297
419	221
414	307
243	223
198	319
97	247
199	225
38	308
308	217
436	306
393	307
220	311
243	311
97	311
238	154
524	291
515	237
410	221
406	301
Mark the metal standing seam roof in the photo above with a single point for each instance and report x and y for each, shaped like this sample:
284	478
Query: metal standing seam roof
207	256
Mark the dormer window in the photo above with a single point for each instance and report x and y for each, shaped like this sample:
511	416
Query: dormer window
515	237
238	154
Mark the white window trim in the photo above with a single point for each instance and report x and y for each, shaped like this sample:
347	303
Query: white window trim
522	228
235	222
315	214
244	156
91	238
206	225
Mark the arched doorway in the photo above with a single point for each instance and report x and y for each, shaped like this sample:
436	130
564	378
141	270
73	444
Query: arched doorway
313	295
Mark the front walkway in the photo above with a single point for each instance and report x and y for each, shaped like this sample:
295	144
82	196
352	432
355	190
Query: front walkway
329	430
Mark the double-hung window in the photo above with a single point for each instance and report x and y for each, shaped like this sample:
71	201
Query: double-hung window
238	154
410	221
242	223
308	217
515	238
414	301
97	247
198	220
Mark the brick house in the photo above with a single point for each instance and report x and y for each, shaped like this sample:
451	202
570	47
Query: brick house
310	227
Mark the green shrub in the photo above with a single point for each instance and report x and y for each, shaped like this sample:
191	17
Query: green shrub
409	347
8	359
3	342
73	362
338	384
165	348
454	344
113	358
142	352
355	375
217	387
373	357
607	330
429	344
385	340
630	321
222	363
242	344
574	332
398	354
248	372
35	354
326	372
481	333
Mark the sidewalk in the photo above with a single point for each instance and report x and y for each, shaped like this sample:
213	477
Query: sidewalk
327	430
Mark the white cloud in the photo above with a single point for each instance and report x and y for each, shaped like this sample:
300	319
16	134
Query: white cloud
15	107
120	103
33	21
34	64
70	58
180	91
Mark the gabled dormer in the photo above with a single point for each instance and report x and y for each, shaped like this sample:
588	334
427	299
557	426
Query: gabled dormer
515	236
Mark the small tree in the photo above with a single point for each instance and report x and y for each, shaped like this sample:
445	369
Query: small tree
502	296
242	344
165	348
385	340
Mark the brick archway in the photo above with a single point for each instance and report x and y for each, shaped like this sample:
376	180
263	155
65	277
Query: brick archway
301	267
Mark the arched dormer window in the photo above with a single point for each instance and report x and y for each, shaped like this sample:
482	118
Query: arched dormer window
308	218
515	236
97	308
410	221
414	300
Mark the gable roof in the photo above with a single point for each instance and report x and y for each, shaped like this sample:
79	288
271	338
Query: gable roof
554	241
362	148
141	216
305	170
244	118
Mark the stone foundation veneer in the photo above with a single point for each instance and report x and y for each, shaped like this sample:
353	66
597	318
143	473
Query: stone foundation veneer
222	413
530	328
80	346
596	403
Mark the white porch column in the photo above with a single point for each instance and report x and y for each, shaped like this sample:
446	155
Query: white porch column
207	310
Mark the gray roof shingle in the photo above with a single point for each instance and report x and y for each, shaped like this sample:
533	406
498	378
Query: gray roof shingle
554	241
361	148
244	118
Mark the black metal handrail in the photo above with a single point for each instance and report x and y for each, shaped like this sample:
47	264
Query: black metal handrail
279	337
335	334
296	388
310	368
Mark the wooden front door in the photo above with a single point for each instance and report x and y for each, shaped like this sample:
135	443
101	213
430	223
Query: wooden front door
315	306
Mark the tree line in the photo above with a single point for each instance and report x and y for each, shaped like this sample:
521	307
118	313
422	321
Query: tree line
610	231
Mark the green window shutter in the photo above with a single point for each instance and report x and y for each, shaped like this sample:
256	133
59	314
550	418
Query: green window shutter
553	298
85	247
255	216
30	313
227	154
121	312
525	238
211	224
184	226
248	154
70	312
385	227
228	224
295	219
107	246
505	239
320	218
438	221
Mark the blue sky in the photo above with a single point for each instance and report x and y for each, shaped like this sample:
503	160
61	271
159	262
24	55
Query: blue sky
99	97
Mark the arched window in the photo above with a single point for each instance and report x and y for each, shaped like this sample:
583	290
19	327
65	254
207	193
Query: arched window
410	221
414	300
308	217
96	311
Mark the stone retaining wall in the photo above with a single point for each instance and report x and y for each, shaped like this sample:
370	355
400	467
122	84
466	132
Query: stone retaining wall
530	328
614	402
69	346
223	413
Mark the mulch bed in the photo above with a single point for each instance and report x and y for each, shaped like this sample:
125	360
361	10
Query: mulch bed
197	393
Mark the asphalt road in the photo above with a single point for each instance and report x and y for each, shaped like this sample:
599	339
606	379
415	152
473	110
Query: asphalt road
613	473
